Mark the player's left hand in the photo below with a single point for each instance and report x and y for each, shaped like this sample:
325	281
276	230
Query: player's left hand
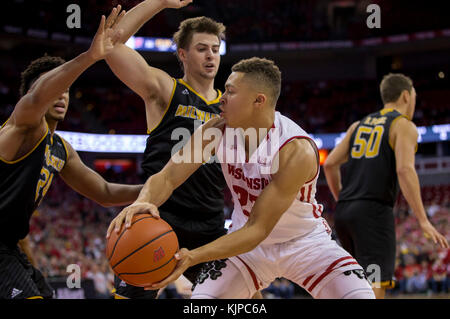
107	35
184	262
431	233
127	214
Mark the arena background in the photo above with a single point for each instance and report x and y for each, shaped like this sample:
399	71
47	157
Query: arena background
331	62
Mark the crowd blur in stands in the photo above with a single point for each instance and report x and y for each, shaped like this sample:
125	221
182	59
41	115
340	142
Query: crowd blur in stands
318	107
256	21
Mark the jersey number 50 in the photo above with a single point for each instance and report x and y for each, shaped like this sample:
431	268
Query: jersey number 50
367	141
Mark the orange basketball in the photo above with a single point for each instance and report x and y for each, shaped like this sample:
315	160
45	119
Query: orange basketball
144	253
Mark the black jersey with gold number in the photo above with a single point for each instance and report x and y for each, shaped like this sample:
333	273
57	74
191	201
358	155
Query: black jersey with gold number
371	169
200	198
23	184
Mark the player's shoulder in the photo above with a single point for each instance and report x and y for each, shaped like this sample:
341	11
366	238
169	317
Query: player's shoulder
297	151
404	124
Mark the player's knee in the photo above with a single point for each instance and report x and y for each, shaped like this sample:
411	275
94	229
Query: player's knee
364	293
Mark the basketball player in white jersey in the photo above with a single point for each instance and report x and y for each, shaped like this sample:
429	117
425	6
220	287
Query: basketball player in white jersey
277	230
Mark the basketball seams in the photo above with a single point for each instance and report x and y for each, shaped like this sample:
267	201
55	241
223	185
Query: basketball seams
120	236
141	247
148	271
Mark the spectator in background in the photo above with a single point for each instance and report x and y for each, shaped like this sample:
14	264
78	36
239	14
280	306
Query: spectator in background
439	278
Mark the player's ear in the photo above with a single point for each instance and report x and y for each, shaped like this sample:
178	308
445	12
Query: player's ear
181	54
260	99
405	97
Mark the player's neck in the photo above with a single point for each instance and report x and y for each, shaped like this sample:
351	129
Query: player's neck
262	124
401	108
52	124
204	87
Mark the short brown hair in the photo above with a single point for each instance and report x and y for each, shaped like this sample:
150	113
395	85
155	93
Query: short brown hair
262	71
35	69
183	37
393	85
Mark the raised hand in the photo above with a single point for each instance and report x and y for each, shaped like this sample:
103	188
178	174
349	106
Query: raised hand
107	35
176	4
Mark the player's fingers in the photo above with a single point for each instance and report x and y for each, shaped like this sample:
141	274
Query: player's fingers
153	210
129	216
121	15
443	241
112	16
101	26
119	221
110	228
172	277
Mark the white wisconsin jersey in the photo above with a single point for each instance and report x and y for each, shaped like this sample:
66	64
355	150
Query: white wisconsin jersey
247	180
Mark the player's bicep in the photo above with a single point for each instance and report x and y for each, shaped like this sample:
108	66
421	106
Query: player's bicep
405	144
132	69
298	162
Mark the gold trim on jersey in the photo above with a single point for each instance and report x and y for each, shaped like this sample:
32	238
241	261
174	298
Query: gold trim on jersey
167	107
35	297
388	110
216	100
26	155
65	147
388	284
5	123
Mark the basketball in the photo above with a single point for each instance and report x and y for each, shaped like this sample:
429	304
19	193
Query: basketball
144	253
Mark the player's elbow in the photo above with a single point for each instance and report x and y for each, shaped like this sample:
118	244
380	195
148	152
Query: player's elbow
329	165
404	170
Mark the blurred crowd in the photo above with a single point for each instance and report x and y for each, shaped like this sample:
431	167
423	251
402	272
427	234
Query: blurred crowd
318	107
256	21
69	229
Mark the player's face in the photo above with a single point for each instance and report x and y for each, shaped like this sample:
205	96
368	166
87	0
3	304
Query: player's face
202	56
412	103
58	109
237	101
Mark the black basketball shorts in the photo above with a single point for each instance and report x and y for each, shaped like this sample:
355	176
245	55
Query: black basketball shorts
19	279
366	229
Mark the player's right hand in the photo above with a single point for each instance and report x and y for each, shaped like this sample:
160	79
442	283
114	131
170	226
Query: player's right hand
107	35
185	260
176	4
127	214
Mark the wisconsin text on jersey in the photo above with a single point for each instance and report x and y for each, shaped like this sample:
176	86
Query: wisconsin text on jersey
252	183
191	112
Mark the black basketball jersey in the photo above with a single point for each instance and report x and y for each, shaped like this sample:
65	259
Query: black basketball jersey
23	184
198	203
370	172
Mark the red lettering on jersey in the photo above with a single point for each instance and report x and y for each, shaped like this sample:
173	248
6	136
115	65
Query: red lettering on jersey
230	169
257	183
249	182
238	173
